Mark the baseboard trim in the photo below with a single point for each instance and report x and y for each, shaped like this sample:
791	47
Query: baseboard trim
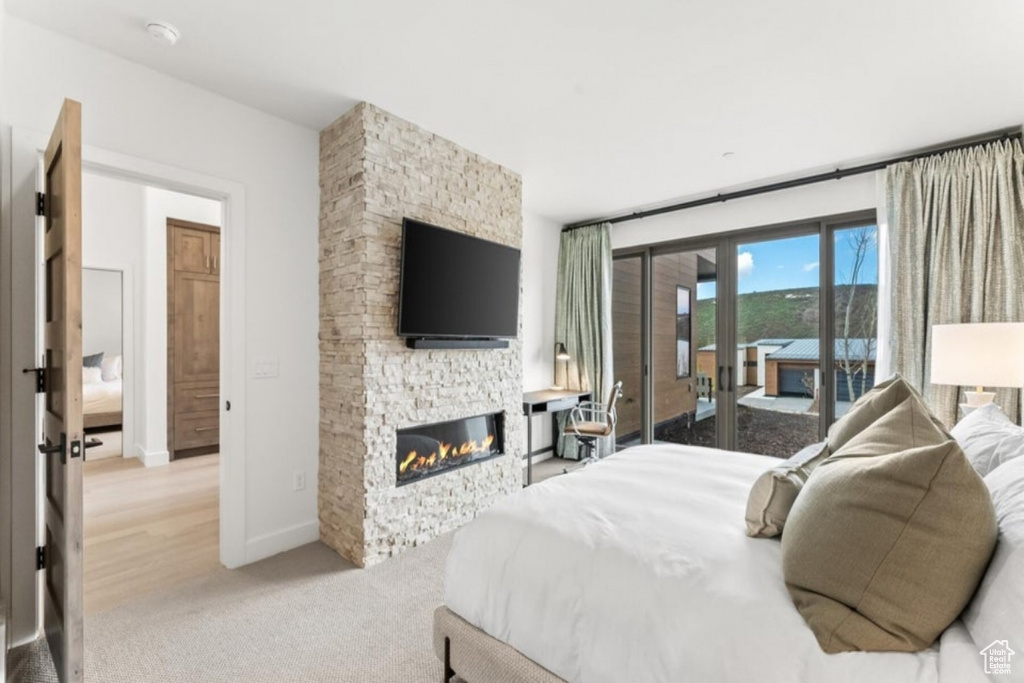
154	459
276	542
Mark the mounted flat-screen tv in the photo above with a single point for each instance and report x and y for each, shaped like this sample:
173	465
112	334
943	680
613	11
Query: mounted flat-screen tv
454	286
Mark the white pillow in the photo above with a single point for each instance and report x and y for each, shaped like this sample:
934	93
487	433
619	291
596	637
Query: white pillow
989	438
111	367
91	376
995	611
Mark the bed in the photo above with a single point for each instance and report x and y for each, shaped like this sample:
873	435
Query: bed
638	569
101	403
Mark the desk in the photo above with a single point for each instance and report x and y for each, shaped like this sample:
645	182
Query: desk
546	401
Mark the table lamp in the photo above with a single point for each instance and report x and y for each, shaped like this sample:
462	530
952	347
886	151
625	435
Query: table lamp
561	356
978	355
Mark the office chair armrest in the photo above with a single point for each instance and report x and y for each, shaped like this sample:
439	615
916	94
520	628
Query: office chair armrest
590	411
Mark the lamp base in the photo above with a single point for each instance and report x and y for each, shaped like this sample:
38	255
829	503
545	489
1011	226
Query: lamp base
556	387
976	399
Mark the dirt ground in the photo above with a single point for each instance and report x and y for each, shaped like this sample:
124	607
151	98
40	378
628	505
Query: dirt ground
767	432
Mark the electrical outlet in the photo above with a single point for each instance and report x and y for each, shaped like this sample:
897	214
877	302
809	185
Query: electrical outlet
299	481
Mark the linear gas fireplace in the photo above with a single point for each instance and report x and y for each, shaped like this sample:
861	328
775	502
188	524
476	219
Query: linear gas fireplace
429	450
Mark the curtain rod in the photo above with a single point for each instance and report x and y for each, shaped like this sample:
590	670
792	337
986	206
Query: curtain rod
837	174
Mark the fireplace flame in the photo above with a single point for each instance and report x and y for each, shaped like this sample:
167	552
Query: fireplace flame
404	465
416	462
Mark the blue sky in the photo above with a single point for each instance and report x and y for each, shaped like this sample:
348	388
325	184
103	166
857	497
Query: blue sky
793	263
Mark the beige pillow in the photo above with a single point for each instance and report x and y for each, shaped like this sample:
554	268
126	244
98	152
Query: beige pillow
873	405
882	550
773	493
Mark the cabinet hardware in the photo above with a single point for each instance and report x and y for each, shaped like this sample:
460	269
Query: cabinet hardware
206	396
206	429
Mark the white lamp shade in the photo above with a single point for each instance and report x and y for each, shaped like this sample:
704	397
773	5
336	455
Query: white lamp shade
978	354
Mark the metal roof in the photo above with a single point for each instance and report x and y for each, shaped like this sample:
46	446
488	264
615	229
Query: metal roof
807	349
712	347
773	342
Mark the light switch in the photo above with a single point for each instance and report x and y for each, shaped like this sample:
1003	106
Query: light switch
264	368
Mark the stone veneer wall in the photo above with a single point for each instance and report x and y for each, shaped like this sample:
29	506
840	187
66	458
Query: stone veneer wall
376	169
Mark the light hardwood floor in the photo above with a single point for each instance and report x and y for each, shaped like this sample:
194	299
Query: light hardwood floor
148	529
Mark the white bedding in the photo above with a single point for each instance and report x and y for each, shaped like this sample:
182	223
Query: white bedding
101	397
638	569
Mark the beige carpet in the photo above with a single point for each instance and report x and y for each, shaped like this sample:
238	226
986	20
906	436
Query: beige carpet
306	615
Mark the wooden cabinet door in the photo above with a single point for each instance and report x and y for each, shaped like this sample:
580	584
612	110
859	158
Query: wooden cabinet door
215	253
196	327
191	250
63	431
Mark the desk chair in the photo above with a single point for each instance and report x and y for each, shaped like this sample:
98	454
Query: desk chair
590	421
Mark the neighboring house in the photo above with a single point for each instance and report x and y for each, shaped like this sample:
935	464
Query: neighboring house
790	370
789	367
996	657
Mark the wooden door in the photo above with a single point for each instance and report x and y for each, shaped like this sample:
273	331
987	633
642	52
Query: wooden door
62	422
193	269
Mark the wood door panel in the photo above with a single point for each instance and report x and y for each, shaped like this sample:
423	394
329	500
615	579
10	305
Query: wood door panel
197	327
191	250
62	420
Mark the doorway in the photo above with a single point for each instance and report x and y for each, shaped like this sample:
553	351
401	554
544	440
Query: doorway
754	341
149	522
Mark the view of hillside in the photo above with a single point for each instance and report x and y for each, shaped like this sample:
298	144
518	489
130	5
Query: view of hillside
788	313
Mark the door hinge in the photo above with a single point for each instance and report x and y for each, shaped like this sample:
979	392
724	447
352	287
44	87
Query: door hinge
40	378
40	204
40	558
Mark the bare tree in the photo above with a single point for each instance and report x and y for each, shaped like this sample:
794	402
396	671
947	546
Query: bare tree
856	355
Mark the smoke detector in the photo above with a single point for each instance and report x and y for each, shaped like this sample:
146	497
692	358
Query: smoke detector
162	31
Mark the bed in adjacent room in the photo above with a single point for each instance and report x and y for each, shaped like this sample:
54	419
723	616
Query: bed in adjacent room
102	393
639	569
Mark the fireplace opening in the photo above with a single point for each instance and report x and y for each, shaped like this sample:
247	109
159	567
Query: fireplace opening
429	450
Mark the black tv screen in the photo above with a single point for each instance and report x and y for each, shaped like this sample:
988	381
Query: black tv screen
456	286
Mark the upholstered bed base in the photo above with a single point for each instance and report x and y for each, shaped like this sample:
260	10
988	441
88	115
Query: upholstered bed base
475	657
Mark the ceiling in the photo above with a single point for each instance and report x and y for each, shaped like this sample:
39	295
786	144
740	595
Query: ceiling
601	105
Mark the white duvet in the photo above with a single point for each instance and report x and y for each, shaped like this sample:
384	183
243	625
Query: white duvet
101	397
637	569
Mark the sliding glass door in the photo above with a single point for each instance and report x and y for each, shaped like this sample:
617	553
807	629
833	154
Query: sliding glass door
627	346
855	305
683	349
777	377
754	340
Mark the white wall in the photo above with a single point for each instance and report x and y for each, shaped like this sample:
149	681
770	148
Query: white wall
540	269
854	193
135	111
101	312
159	206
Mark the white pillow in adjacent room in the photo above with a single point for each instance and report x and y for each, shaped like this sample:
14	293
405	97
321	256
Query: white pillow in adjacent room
989	438
995	611
111	368
92	375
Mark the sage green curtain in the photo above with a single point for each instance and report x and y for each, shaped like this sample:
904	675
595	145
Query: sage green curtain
956	225
583	319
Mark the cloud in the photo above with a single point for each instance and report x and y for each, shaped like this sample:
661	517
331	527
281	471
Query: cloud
744	264
808	267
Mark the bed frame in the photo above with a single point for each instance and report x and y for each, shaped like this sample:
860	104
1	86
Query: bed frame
94	420
472	656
